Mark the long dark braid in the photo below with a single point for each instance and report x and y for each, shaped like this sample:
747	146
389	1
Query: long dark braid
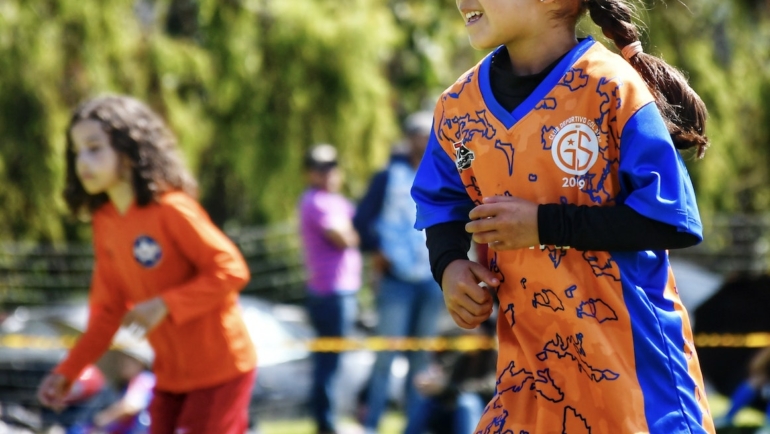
683	110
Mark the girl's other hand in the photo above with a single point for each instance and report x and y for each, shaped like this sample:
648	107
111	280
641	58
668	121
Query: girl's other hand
53	391
430	382
146	315
504	223
380	263
468	303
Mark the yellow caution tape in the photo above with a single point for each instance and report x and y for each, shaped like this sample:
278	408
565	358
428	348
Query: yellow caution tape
380	343
323	345
19	341
749	340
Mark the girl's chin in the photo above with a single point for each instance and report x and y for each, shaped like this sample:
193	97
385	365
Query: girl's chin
92	190
479	43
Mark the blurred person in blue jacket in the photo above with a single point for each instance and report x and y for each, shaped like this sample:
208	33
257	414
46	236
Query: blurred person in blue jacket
408	300
756	388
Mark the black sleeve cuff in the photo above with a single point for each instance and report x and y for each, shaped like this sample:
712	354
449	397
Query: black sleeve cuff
550	224
446	242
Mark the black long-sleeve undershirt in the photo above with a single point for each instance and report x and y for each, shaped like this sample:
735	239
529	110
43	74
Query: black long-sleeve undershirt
581	227
617	228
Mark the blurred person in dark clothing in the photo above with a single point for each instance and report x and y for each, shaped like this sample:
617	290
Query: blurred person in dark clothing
408	300
457	385
756	386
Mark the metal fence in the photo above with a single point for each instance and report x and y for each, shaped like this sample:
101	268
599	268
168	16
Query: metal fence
42	274
34	273
734	243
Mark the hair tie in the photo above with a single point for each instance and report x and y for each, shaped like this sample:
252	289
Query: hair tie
632	50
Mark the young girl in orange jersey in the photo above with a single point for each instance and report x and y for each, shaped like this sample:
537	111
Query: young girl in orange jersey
562	157
161	266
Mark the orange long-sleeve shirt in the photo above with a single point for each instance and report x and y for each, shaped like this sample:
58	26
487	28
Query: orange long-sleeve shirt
169	249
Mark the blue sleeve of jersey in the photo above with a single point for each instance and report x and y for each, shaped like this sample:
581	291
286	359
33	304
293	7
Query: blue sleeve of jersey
438	189
653	176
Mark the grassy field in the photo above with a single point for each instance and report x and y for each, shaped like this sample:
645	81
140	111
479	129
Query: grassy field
392	423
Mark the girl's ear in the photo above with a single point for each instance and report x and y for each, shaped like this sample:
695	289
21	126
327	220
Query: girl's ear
124	168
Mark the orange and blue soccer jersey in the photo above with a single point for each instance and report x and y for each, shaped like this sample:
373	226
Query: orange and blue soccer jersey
589	341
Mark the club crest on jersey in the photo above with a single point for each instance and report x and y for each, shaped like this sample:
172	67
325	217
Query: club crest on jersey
575	145
463	156
147	251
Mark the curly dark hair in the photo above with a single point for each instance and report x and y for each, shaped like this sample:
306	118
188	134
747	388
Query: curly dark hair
139	135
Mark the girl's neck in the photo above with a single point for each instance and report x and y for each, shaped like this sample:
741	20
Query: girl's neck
532	55
121	195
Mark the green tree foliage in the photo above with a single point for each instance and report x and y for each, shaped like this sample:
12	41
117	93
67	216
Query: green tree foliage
248	85
432	52
54	54
724	47
288	74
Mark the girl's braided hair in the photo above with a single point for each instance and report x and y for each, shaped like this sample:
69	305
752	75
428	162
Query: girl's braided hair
683	110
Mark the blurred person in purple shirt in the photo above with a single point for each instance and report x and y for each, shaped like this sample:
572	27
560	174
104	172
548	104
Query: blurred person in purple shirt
333	263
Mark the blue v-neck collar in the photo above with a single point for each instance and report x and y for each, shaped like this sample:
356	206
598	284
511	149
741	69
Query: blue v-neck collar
509	119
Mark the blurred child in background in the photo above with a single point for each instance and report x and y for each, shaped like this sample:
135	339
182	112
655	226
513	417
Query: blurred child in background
90	393
135	382
162	268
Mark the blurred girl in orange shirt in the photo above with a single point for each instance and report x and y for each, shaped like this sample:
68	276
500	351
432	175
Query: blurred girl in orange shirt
162	267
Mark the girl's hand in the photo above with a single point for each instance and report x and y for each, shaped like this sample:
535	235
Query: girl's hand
146	315
430	382
53	391
504	223
102	419
380	263
468	303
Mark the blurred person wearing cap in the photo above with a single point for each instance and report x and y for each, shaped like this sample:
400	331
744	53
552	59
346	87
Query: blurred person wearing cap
333	263
135	382
409	301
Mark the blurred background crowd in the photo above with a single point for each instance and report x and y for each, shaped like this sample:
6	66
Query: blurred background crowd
248	86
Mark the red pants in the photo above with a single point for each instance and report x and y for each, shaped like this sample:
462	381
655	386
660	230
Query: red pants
221	409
